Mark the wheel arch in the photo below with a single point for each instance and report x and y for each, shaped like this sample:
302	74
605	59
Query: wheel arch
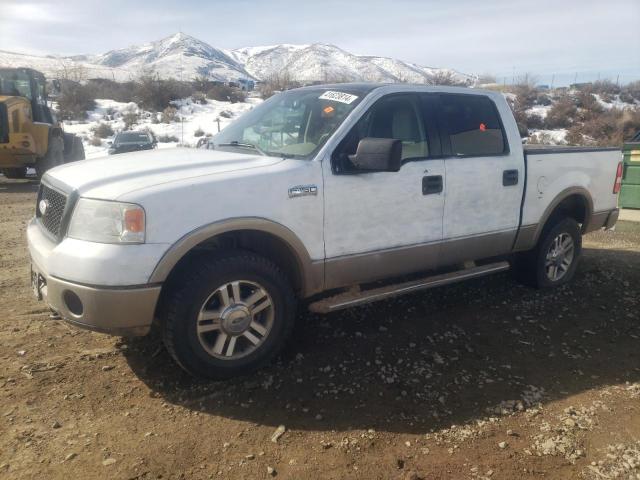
265	237
573	202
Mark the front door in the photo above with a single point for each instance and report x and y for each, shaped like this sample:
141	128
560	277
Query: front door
382	223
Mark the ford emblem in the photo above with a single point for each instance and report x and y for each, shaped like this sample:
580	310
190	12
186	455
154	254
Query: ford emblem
42	206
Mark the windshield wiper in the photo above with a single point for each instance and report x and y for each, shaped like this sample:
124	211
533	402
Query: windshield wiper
238	144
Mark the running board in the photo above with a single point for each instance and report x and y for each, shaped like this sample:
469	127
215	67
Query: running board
355	298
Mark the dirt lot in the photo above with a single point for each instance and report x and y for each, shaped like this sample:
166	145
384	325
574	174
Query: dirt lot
486	379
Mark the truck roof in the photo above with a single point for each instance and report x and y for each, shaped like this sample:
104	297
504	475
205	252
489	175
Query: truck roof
363	88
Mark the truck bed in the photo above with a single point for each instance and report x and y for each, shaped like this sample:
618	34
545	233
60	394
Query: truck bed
553	171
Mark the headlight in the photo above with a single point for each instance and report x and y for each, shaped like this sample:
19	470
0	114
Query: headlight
107	222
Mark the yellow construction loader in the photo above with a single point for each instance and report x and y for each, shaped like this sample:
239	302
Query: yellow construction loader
30	135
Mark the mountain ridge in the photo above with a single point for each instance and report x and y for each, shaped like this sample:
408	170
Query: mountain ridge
182	56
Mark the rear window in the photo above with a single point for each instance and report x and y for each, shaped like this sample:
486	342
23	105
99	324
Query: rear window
472	125
133	137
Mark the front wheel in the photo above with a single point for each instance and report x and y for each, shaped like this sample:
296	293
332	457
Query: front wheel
228	314
554	260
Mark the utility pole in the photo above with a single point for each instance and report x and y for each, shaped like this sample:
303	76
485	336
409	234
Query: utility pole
553	77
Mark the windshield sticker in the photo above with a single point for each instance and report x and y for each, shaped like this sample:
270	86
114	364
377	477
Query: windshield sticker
338	97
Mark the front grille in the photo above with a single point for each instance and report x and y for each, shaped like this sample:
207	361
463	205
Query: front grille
55	202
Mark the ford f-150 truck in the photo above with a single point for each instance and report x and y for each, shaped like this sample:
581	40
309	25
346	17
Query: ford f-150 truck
333	196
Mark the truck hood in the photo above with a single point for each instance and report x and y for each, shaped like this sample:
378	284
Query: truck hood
111	177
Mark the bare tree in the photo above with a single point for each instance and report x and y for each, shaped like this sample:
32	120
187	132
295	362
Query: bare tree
444	77
526	79
486	78
276	82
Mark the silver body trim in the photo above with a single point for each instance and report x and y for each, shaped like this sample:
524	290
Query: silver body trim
343	301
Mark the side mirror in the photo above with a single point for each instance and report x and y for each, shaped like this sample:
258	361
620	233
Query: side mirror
378	155
109	143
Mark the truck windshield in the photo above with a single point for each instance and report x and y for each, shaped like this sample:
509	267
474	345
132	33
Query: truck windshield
14	83
292	124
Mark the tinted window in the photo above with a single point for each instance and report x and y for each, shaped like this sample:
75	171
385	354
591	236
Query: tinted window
395	116
133	137
472	125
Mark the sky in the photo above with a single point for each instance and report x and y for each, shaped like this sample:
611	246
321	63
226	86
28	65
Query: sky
556	40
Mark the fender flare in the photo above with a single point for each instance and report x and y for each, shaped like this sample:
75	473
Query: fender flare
311	273
562	196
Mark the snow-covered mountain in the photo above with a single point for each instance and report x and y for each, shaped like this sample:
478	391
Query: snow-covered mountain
186	57
178	56
323	62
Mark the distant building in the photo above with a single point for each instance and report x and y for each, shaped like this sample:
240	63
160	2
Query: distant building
246	84
580	86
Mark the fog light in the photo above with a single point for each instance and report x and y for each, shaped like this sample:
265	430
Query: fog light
72	302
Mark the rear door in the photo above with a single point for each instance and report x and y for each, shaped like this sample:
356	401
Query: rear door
484	179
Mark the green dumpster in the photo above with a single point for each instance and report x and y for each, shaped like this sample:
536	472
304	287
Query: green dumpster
630	192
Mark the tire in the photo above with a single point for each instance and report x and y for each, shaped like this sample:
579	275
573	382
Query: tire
554	260
53	158
201	345
76	151
15	173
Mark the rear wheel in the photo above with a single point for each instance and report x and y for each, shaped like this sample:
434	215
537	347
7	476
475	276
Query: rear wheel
554	260
53	158
15	173
227	315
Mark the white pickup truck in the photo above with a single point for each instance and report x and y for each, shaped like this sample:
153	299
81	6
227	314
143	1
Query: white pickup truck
333	195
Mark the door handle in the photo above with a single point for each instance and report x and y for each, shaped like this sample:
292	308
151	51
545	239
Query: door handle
431	184
509	178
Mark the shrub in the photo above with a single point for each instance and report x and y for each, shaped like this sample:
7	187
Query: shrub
167	138
543	99
606	87
154	94
74	101
102	130
199	98
198	133
586	101
169	115
445	78
535	121
610	128
130	116
225	93
95	141
526	95
118	91
561	114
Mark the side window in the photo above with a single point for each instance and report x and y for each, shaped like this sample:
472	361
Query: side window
394	116
472	125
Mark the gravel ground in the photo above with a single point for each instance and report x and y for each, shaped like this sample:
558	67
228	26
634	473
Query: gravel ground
481	380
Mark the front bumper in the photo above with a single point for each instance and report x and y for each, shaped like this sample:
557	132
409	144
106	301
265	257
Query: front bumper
71	277
118	311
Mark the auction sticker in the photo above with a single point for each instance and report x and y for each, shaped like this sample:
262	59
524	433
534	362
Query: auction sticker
338	97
